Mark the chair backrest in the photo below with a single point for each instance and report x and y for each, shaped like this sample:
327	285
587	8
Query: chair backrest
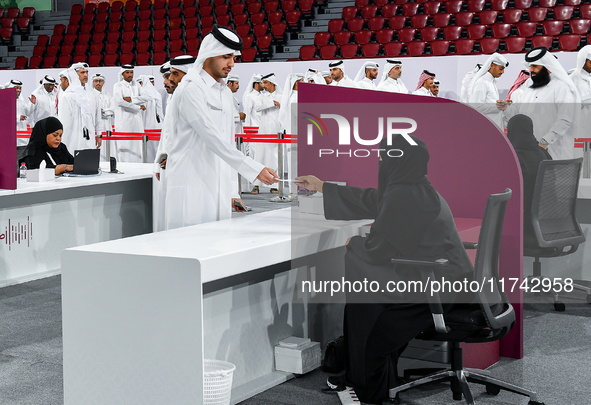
497	310
554	203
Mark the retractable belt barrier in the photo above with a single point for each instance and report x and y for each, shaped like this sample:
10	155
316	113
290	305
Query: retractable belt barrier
147	135
251	135
585	143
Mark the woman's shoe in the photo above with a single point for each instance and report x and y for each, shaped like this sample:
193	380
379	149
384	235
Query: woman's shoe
336	383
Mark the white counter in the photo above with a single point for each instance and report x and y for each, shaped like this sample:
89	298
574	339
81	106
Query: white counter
136	324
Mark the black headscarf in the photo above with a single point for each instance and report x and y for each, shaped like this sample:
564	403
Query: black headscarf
407	202
38	149
520	132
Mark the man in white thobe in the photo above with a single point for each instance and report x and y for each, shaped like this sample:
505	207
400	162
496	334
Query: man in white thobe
150	115
234	85
552	102
24	108
517	88
435	88
74	112
288	118
365	78
269	105
314	76
466	83
249	100
107	111
202	157
581	77
129	105
424	85
158	101
327	77
95	123
338	75
44	99
391	78
483	94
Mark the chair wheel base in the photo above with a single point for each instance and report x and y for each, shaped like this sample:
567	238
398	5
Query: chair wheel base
492	389
559	306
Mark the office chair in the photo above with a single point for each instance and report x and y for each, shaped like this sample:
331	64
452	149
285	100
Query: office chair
557	232
490	318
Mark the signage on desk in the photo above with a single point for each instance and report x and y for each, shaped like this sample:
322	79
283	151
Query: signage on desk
17	233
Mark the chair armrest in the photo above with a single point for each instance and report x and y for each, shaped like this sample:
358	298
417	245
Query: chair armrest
433	298
470	245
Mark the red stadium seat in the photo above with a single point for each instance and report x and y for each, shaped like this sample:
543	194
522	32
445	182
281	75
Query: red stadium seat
542	40
111	59
178	22
130	15
271	6
380	3
488	17
158	46
275	17
585	10
243	30
552	27
342	37
515	44
224	20
115	26
67	49
429	34
13	12
207	21
547	3
349	12
464	18
453	6
111	48
572	2
368	12
569	42
160	14
523	4
49	62
7	22
51	50
238	8
355	24
452	32
64	61
38	50
476	31
174	3
512	15
191	22
56	40
21	62
432	7
191	33
441	20
322	38
416	48
384	35
208	10
370	50
392	49
22	24
95	49
292	18
160	25
464	46
306	7
257	18
260	29
335	25
489	45
132	5
72	29
499	5
87	28
397	22
501	30
190	12
361	3
127	26
363	37
142	59
526	28
579	26
193	44
128	36
476	6
349	51
240	19
158	58
35	62
116	16
406	34
95	60
175	33
175	45
84	38
126	58
389	10
537	14
255	7
563	13
79	58
75	19
439	47
59	29
141	46
248	54
278	30
419	21
376	23
100	27
410	9
144	4
307	52
77	9
113	36
328	51
264	43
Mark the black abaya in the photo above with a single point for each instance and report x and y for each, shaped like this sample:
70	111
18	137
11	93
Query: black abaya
38	150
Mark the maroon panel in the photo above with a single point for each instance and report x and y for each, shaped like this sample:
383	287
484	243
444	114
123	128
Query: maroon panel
8	140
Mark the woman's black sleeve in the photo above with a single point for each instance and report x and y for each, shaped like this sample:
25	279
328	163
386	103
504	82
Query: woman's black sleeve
346	203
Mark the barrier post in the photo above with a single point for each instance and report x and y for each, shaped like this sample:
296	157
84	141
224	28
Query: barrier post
586	159
281	197
239	147
145	148
108	147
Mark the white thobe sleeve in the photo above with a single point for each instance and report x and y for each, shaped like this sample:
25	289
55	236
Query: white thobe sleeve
479	98
247	107
108	107
565	104
586	99
195	111
263	102
127	106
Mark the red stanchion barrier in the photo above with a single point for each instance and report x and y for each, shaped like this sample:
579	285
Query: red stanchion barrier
579	142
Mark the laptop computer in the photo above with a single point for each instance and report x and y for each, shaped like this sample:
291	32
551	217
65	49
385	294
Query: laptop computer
86	161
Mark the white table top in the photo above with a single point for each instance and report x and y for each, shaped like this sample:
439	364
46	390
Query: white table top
131	171
585	188
234	246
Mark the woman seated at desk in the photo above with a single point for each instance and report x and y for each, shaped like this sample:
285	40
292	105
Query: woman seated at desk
411	220
520	132
46	145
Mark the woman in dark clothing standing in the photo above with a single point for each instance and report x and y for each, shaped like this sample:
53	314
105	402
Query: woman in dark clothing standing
46	145
411	220
520	131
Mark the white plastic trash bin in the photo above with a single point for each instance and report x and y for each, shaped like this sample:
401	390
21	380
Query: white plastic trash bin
217	382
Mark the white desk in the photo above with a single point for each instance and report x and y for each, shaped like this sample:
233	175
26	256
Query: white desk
137	326
39	220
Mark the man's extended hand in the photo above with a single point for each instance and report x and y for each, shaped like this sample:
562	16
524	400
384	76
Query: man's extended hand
33	99
242	116
502	105
311	183
163	164
99	141
277	104
128	99
157	176
543	146
267	176
238	207
23	117
143	107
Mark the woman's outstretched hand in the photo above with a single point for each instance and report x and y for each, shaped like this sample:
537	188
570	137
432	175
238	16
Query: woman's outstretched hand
311	183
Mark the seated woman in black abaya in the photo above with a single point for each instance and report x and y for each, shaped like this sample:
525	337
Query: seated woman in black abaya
411	220
520	132
46	145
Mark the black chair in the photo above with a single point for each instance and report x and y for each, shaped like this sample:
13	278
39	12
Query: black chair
489	318
556	230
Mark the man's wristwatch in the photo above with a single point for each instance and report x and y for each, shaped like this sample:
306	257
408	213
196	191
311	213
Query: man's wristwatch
544	142
65	168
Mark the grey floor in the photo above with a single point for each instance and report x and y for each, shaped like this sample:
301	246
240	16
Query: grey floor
557	362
